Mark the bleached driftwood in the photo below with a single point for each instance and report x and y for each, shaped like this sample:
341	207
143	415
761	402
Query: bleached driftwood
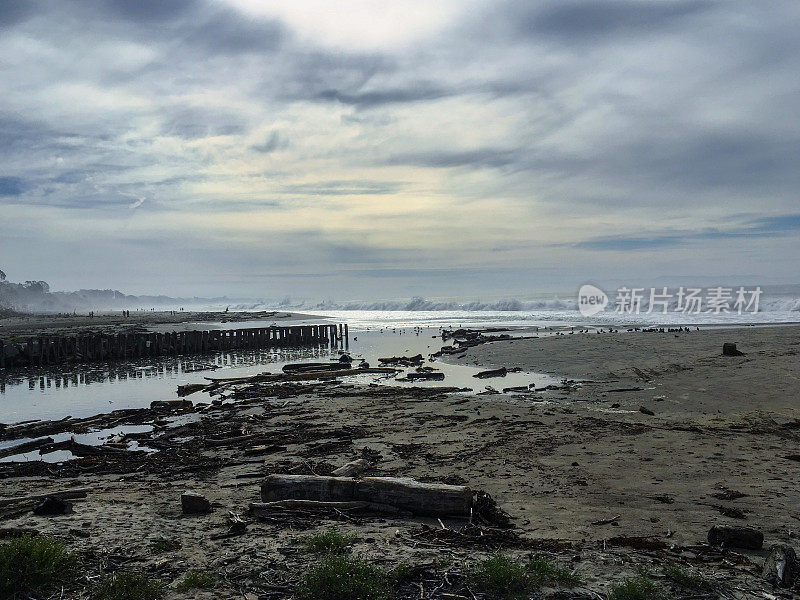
433	499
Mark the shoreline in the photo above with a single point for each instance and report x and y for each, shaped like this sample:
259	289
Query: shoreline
20	326
580	469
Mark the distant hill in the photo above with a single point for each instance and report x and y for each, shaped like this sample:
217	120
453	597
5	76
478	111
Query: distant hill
35	296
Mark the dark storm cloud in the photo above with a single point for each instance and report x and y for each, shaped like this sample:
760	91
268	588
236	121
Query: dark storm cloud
151	11
414	92
626	112
724	158
316	75
478	158
15	11
576	22
11	186
211	28
765	227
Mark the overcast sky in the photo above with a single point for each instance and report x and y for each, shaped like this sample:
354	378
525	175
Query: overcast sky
357	149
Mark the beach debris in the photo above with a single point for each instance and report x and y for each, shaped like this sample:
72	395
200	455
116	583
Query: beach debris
728	494
268	509
264	449
352	469
52	505
426	375
729	349
729	511
317	366
25	447
736	537
403	361
79	449
619	390
663	498
236	526
634	541
607	521
190	388
486	511
171	404
234	440
430	499
781	567
63	494
194	504
501	372
646	411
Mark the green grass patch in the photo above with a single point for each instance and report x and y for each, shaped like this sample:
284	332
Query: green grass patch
544	572
165	545
688	579
31	564
404	573
340	577
640	587
501	576
128	585
328	542
197	579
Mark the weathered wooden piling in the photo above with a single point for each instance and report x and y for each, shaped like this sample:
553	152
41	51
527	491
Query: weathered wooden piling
45	350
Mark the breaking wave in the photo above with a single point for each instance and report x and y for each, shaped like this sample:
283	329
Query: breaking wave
419	304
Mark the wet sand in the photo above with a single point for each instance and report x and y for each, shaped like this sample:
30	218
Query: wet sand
580	469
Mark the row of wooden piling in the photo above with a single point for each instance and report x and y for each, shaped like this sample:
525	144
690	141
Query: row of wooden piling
53	350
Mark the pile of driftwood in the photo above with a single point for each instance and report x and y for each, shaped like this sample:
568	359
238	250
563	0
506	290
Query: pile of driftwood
299	372
463	339
402	361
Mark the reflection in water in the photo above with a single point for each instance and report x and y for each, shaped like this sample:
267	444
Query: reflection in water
88	389
86	374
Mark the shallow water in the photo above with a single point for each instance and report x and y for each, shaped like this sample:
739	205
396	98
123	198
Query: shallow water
92	388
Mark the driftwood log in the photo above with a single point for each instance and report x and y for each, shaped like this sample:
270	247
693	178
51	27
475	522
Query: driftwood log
63	494
430	499
501	372
25	447
736	537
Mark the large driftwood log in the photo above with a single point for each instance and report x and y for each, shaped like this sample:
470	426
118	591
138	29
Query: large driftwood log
63	494
308	487
418	498
435	499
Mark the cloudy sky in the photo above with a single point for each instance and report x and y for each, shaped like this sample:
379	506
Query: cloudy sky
382	149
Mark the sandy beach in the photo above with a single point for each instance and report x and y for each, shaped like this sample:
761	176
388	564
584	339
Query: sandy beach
652	439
